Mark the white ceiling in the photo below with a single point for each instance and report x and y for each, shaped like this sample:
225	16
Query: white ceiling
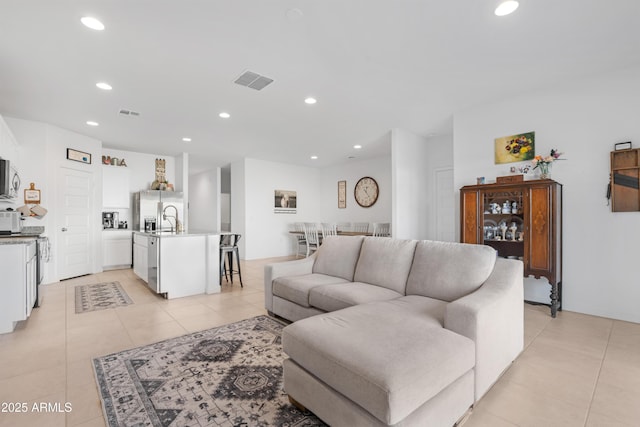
373	65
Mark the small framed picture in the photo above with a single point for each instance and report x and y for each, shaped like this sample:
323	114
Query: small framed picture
78	156
342	194
285	201
623	145
480	180
31	195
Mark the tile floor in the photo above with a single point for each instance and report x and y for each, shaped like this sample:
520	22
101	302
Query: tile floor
576	370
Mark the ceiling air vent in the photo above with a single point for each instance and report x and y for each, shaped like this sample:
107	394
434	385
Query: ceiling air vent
125	112
253	80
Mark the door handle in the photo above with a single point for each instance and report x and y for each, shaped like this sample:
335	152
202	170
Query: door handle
64	228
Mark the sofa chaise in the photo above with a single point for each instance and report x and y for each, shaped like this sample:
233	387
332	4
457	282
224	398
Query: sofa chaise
395	332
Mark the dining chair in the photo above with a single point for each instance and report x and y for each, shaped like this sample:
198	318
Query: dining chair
229	250
311	235
343	226
301	239
329	229
381	229
360	227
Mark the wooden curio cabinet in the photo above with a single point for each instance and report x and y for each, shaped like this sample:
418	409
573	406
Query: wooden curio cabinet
520	220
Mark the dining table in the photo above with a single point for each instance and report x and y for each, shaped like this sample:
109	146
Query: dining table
340	233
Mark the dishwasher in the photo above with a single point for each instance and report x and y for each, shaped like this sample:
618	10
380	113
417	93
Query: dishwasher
153	264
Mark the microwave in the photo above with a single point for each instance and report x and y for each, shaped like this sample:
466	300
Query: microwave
9	180
10	222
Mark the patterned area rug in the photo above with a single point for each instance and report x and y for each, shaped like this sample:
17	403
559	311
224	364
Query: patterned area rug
226	376
100	296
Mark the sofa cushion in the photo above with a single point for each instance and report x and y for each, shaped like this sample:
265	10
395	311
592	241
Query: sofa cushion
343	295
296	288
382	356
385	262
448	271
337	256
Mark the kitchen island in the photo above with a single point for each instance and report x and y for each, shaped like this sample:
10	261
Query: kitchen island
178	264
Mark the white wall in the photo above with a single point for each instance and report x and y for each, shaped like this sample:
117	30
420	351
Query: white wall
204	200
377	168
142	168
43	149
266	234
182	184
142	173
409	154
440	159
238	202
583	119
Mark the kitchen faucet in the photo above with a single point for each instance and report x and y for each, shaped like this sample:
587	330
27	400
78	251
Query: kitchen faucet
175	218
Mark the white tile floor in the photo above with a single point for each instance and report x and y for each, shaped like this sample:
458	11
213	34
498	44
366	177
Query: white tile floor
576	370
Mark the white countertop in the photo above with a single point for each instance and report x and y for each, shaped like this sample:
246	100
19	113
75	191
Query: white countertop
16	240
189	233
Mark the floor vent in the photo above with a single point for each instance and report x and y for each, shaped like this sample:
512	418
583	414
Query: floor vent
253	80
125	112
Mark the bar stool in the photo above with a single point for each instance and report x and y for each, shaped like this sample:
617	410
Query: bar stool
229	247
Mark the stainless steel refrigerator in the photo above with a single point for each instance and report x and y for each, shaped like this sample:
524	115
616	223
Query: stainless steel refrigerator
149	205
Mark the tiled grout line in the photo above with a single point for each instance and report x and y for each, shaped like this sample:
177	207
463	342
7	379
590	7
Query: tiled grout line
66	357
595	386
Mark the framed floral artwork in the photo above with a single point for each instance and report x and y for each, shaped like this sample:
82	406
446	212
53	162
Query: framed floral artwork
515	148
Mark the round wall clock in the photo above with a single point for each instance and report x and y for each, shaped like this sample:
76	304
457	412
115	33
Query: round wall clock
366	191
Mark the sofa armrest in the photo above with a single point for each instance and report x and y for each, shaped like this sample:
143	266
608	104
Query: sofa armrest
280	269
493	317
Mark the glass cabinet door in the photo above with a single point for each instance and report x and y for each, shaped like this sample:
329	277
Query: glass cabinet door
503	225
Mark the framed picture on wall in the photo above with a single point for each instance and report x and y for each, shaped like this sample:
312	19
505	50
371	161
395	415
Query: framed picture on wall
515	148
78	156
32	195
342	194
285	201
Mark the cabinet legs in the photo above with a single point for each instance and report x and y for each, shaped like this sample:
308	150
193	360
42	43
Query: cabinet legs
556	298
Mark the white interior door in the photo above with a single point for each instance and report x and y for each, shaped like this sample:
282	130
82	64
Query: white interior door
445	206
74	223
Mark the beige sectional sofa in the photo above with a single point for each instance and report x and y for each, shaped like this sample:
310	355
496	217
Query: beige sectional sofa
396	332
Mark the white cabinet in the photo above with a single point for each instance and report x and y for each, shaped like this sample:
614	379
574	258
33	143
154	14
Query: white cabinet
18	284
116	249
115	187
182	265
140	256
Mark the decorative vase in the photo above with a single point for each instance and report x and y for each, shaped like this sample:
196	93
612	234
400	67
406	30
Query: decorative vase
545	170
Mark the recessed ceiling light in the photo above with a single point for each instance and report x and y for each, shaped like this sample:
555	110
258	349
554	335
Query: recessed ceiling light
506	7
92	123
92	23
310	101
357	147
185	139
314	157
104	86
224	115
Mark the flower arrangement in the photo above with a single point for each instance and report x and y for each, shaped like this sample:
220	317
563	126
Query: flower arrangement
543	162
540	160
